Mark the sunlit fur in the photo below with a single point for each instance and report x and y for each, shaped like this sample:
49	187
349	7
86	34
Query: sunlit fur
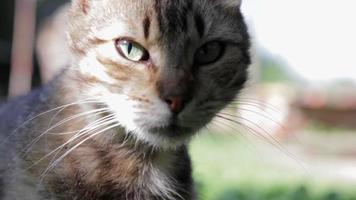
131	88
103	128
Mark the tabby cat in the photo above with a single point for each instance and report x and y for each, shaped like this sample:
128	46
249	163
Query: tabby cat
144	77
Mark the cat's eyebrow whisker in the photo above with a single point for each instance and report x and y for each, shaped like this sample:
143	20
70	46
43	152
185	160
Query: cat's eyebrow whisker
34	141
76	136
76	146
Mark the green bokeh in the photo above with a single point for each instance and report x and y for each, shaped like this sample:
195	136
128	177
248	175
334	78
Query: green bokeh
225	168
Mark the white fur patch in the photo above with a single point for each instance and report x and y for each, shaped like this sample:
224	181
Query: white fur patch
90	67
119	28
137	117
161	185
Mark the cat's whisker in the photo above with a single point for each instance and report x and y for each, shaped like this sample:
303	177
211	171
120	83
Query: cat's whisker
260	103
269	138
265	132
240	106
251	102
34	141
76	136
96	111
61	110
234	128
51	166
261	114
62	133
225	126
22	125
91	127
250	129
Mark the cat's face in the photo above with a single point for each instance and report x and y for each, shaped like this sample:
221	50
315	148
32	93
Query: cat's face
163	67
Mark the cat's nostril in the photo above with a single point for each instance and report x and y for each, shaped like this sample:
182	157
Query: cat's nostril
175	104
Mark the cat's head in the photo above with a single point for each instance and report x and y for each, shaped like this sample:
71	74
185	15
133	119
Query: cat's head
163	67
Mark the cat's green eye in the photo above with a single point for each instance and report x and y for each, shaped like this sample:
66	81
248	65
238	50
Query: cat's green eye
131	50
209	53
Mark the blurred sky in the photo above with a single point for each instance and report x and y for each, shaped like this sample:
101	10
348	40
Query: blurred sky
317	38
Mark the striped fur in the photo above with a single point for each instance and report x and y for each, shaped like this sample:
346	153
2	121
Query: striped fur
106	127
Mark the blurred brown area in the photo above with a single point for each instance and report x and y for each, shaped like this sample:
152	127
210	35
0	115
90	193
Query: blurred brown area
6	27
44	9
331	104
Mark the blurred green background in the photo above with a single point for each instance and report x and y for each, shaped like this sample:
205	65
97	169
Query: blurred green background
227	167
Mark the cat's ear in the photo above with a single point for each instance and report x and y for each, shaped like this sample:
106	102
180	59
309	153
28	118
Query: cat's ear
232	3
82	5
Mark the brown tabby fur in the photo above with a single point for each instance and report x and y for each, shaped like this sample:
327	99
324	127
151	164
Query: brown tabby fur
141	153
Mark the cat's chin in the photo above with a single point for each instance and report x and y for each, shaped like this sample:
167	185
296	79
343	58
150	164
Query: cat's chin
172	131
169	137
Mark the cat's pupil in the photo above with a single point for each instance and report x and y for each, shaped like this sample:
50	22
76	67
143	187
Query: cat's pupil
209	53
129	48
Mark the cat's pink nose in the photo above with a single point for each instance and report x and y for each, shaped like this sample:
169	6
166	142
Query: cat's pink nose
175	103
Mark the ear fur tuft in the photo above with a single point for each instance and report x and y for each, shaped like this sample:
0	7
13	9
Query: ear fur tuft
83	5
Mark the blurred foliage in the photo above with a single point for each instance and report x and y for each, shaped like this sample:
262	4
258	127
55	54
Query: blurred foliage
274	70
280	193
225	168
324	128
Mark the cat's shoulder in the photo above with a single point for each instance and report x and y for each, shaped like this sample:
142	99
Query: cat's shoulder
15	111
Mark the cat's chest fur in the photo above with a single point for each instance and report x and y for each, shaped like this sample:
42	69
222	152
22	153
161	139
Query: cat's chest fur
120	174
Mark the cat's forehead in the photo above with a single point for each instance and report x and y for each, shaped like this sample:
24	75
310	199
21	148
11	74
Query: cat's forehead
175	24
174	17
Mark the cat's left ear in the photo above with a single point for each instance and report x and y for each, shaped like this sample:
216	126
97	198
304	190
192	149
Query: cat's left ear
82	5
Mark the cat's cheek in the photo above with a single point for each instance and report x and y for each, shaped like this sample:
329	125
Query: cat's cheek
121	108
135	116
91	68
158	115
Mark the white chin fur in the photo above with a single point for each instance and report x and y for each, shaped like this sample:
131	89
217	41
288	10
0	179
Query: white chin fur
138	118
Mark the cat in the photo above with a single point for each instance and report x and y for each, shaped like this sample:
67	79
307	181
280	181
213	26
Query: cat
144	77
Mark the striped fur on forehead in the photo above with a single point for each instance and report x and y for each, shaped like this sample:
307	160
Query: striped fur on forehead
173	15
186	24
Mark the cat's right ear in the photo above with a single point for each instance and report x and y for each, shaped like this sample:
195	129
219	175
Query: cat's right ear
82	5
232	3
